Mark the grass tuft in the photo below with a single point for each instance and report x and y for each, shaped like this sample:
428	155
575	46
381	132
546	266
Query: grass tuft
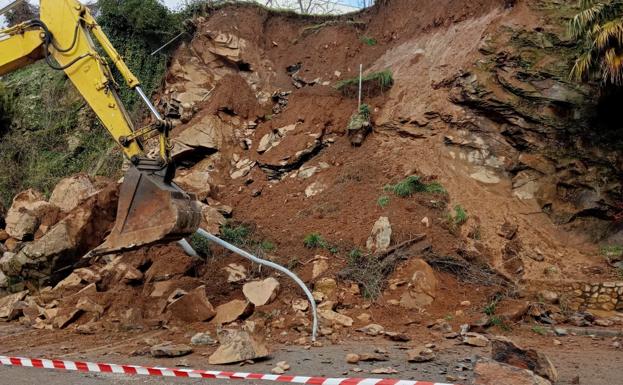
413	184
315	241
383	201
367	40
373	84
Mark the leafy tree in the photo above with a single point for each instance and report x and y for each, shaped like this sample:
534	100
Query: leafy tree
20	13
599	29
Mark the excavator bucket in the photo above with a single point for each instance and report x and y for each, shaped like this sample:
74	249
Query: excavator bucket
150	210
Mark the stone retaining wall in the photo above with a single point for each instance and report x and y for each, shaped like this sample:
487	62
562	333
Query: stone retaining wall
596	296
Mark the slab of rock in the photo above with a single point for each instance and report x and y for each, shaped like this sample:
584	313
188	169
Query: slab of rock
239	345
422	288
27	212
495	373
261	293
8	304
326	286
421	354
66	317
506	351
202	339
87	275
211	219
352	358
381	236
197	182
319	267
475	339
232	311
235	273
508	230
170	350
206	135
315	189
192	307
72	191
372	330
87	305
68	240
335	317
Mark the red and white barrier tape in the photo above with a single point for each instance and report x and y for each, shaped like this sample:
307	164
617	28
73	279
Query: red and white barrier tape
191	373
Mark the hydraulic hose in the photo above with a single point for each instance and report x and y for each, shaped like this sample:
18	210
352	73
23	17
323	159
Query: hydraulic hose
272	265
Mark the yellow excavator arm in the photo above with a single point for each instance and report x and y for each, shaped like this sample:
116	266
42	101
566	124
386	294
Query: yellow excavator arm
151	207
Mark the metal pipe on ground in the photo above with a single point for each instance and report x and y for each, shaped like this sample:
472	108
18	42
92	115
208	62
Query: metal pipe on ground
270	264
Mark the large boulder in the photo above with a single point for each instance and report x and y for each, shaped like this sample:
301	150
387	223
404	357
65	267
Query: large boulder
239	345
422	287
193	307
28	213
495	373
72	191
81	230
261	293
506	351
381	236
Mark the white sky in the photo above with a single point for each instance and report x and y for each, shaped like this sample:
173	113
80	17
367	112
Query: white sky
340	5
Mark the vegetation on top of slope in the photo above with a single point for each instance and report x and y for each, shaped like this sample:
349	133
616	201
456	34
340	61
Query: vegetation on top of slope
599	29
48	132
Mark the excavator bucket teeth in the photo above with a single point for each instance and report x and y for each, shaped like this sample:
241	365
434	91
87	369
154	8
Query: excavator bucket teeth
150	211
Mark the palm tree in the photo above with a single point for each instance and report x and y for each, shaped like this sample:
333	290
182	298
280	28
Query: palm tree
599	29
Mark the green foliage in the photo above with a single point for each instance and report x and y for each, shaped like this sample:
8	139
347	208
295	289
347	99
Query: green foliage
367	40
598	28
612	251
267	246
497	321
490	308
237	235
47	132
360	119
136	28
373	82
539	330
460	215
355	255
413	184
200	244
314	241
383	201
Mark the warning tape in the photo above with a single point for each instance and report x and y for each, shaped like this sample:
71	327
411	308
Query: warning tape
91	367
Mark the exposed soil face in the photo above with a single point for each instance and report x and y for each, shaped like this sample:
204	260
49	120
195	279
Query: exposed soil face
264	131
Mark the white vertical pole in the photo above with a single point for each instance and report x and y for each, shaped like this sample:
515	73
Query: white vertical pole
360	84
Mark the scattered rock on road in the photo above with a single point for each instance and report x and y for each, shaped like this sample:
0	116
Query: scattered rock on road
506	351
475	339
169	350
421	354
494	373
239	345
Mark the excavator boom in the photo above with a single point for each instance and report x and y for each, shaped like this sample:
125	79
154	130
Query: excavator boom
151	207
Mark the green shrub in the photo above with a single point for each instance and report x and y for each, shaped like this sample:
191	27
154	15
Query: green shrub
460	215
367	40
236	235
413	184
267	246
372	84
612	251
383	201
200	244
314	241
